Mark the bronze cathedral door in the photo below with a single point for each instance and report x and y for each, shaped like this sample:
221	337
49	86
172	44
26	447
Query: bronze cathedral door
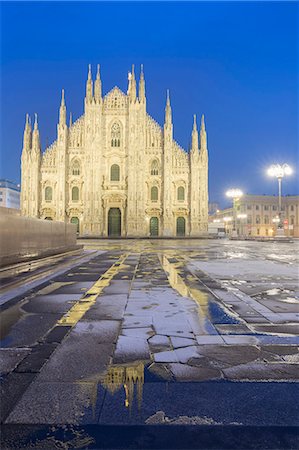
114	222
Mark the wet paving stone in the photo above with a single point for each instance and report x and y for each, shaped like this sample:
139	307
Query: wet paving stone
30	329
148	339
12	388
57	334
36	359
10	358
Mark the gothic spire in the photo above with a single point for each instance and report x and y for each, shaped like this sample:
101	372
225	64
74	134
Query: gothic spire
62	110
35	136
27	134
203	134
132	85
71	120
142	86
98	86
88	97
194	146
168	115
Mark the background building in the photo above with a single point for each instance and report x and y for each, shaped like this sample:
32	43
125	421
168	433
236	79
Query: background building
115	171
9	194
256	214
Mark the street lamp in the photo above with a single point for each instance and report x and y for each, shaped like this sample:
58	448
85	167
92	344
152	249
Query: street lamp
235	194
279	171
240	217
226	220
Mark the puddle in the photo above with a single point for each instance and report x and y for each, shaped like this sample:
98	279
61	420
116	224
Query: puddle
207	308
130	378
9	317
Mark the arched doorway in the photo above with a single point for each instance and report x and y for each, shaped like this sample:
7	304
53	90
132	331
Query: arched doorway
75	220
180	226
114	222
154	226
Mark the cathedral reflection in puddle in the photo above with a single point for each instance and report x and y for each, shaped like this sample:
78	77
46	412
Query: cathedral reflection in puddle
127	377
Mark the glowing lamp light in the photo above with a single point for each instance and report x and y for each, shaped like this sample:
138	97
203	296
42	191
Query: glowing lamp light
276	220
216	220
279	171
234	193
227	219
241	216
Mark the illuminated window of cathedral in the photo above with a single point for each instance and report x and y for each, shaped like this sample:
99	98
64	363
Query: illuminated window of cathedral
155	167
76	168
48	194
181	193
75	194
154	194
115	135
114	172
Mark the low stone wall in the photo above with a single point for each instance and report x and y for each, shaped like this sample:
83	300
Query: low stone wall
23	238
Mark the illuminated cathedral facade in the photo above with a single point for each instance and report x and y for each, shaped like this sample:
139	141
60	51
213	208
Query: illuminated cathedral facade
115	171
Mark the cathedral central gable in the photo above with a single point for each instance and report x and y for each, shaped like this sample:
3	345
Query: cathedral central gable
115	99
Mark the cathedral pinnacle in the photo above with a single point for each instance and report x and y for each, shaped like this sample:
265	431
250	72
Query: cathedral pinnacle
98	86
35	135
194	146
88	97
194	123
141	86
168	115
35	122
203	135
62	110
132	85
71	120
27	134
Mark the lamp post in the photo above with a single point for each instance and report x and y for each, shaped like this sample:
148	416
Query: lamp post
242	216
279	171
235	194
226	220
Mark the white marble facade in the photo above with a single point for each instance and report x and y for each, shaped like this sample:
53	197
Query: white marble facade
115	170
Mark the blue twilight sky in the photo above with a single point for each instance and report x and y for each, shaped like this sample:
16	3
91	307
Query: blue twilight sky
236	62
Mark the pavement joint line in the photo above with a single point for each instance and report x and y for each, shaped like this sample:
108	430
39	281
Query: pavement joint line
72	317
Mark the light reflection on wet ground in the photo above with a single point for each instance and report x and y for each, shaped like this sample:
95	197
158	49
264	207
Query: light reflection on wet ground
150	317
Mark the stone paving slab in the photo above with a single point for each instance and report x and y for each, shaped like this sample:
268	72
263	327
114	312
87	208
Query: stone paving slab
30	329
51	303
11	357
12	388
131	349
84	354
263	372
58	403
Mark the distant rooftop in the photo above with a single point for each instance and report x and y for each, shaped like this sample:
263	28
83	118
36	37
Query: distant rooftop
9	184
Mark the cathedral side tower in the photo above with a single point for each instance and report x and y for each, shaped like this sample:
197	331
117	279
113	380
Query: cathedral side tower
132	155
62	162
204	163
26	168
167	169
35	165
